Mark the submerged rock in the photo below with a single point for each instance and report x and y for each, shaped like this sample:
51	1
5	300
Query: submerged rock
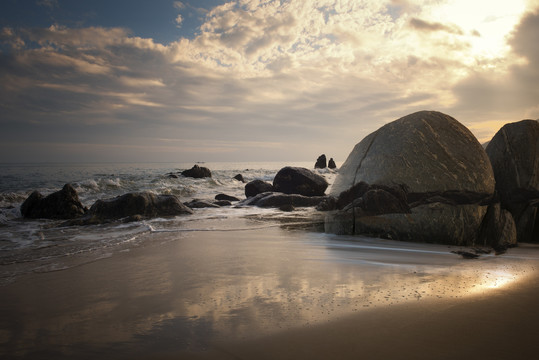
514	154
197	172
63	204
423	177
296	180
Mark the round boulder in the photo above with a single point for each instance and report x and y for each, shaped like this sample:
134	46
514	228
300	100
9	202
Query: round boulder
443	171
256	187
296	180
514	154
428	151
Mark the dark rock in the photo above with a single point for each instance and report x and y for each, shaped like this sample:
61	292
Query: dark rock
329	204
277	200
200	204
256	187
222	203
429	161
378	202
239	177
295	180
331	164
514	154
361	188
172	176
321	162
498	228
226	197
136	205
197	172
63	204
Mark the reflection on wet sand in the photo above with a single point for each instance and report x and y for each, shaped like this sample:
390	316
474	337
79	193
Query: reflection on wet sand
188	293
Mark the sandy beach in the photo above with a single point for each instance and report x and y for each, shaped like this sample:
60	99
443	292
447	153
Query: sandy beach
252	290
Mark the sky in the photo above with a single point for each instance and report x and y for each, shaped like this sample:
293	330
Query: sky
253	80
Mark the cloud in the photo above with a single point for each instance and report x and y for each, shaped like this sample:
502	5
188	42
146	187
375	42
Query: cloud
179	20
311	76
512	95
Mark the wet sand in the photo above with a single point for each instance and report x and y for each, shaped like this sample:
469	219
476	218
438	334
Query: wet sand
271	293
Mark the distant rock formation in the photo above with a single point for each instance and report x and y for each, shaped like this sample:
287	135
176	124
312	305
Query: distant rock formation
296	180
423	177
321	162
197	172
514	154
63	204
256	187
331	164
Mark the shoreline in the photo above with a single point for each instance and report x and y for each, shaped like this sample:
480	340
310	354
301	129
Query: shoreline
272	293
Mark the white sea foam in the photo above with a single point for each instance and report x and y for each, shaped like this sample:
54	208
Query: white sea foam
38	243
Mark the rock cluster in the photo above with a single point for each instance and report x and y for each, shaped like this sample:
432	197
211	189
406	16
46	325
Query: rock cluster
322	163
423	177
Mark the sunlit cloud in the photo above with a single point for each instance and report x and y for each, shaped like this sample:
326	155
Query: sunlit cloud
312	72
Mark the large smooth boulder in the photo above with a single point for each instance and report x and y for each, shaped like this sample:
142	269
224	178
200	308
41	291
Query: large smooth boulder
514	154
429	161
197	172
63	204
255	187
297	180
142	204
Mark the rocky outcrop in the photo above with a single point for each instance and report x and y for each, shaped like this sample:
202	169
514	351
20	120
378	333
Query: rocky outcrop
331	164
321	162
296	180
280	200
423	177
256	187
197	172
63	204
514	154
135	206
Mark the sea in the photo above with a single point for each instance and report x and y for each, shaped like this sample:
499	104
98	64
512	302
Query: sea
28	245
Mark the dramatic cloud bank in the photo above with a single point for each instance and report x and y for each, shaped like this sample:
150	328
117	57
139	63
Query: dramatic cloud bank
264	79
